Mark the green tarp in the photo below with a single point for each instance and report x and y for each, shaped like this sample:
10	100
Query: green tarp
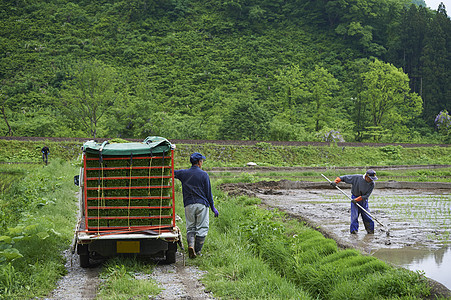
152	144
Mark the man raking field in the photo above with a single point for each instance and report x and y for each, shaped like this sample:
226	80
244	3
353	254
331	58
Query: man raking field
361	189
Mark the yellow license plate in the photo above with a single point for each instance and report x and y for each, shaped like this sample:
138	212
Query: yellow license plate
127	247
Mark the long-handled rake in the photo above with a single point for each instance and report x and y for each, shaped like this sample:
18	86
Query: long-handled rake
373	217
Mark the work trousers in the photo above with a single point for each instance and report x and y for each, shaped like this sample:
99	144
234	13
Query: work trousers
45	157
197	219
356	211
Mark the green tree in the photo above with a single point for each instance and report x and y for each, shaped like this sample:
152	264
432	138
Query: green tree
436	65
4	107
310	96
245	121
362	22
89	93
421	49
386	93
320	87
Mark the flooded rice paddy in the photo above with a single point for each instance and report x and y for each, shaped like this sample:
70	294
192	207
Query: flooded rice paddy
418	221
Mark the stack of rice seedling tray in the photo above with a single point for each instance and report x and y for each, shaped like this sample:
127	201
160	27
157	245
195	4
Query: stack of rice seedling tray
128	186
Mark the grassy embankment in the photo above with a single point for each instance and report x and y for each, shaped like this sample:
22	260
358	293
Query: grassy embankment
38	213
266	255
264	154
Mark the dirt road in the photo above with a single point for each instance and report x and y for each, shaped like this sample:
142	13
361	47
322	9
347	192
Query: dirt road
177	281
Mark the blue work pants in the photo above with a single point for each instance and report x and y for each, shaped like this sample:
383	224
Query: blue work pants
356	211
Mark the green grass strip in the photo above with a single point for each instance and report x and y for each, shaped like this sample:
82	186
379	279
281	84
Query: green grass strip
120	280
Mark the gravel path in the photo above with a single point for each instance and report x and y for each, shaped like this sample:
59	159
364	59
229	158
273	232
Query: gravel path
78	283
177	281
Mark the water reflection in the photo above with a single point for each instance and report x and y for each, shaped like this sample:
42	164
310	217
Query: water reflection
436	264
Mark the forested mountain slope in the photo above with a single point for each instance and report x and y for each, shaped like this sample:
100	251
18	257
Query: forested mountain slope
367	70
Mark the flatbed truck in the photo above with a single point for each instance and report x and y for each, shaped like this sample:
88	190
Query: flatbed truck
126	201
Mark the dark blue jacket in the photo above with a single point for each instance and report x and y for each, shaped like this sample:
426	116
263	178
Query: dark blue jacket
196	186
360	187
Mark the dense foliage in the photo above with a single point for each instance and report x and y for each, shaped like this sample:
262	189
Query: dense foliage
243	69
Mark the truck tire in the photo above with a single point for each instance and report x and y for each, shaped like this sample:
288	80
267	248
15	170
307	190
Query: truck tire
84	260
83	253
170	253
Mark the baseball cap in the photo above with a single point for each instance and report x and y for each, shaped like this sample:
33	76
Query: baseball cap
195	157
371	174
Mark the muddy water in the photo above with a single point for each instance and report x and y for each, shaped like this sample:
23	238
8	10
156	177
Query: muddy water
435	263
418	222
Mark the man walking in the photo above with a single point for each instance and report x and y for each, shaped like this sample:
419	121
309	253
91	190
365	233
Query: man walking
197	198
361	189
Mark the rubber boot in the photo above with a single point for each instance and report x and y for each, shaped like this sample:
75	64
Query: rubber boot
190	238
200	240
368	228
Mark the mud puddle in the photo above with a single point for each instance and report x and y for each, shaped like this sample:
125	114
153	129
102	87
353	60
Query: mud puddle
419	221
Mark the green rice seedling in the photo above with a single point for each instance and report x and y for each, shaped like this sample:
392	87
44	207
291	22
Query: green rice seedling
306	257
320	244
125	182
312	279
277	254
351	289
126	192
400	282
247	177
309	234
339	255
99	223
129	212
389	284
370	266
235	274
248	278
320	279
354	261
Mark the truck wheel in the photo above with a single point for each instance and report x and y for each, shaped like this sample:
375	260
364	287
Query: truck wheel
170	253
83	253
84	260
